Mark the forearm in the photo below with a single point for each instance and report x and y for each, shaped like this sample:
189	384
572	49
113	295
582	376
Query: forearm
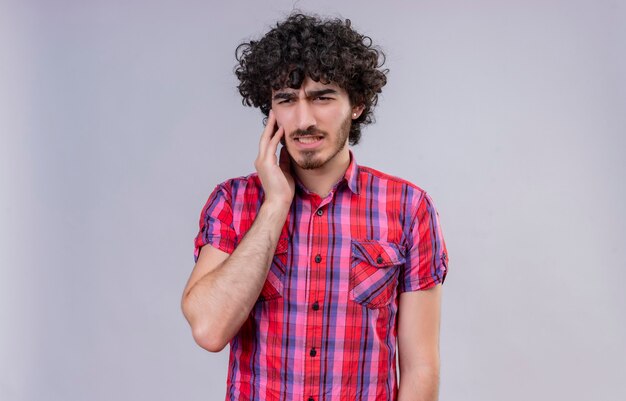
220	302
419	385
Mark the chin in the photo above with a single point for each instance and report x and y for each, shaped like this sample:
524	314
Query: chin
310	161
306	160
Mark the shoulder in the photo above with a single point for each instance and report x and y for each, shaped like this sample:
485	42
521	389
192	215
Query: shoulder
371	176
232	196
246	184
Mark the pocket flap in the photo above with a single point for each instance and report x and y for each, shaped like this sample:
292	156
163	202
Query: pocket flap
378	253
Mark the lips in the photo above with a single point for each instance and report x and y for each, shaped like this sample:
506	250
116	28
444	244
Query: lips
309	141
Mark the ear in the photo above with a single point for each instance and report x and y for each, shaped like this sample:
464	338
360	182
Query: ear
356	111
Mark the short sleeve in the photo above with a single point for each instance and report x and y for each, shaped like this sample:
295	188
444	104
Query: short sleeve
216	223
427	257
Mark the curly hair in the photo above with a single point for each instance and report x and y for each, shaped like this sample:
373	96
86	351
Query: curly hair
324	50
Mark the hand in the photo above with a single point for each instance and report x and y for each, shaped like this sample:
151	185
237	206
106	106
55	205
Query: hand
276	178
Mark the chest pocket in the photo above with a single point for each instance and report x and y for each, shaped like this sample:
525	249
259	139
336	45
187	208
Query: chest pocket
374	270
273	286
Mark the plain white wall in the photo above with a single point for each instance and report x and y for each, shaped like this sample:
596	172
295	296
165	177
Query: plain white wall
117	119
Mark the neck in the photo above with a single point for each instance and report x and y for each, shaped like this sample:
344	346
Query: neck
321	180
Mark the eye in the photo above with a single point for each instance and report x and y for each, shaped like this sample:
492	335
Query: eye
323	98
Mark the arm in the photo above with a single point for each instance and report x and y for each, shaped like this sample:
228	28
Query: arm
223	288
418	344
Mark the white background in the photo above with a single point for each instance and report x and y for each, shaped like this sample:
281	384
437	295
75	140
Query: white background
118	118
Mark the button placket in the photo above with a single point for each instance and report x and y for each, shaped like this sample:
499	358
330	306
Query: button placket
316	290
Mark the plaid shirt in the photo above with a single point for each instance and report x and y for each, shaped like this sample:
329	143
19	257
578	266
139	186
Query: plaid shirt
325	324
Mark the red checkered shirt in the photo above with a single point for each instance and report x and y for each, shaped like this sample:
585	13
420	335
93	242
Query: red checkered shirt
325	324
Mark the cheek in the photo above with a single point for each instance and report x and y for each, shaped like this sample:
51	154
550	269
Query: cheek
337	118
281	119
338	113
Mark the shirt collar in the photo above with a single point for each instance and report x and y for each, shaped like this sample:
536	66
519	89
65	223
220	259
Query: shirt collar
352	175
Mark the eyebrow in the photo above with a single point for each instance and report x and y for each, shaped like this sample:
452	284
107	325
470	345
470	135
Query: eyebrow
321	92
313	93
284	95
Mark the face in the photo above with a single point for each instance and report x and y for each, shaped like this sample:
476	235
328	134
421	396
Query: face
317	119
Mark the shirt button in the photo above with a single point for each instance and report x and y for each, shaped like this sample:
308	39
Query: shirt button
311	399
313	352
379	259
316	305
318	258
320	212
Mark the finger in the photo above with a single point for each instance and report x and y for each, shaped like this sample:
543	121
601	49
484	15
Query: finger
273	145
267	133
270	125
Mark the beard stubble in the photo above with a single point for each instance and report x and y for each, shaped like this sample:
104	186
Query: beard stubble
311	160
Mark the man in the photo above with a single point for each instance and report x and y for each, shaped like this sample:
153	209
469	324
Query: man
312	267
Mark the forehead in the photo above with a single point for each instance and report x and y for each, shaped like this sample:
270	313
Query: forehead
310	85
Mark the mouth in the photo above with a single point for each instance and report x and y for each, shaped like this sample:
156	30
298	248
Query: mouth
308	139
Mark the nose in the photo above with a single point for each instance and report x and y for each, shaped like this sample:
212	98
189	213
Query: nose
305	117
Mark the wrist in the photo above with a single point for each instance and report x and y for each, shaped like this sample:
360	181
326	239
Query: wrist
274	211
276	205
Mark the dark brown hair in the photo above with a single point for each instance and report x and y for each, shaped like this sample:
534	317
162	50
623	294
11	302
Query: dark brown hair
325	50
